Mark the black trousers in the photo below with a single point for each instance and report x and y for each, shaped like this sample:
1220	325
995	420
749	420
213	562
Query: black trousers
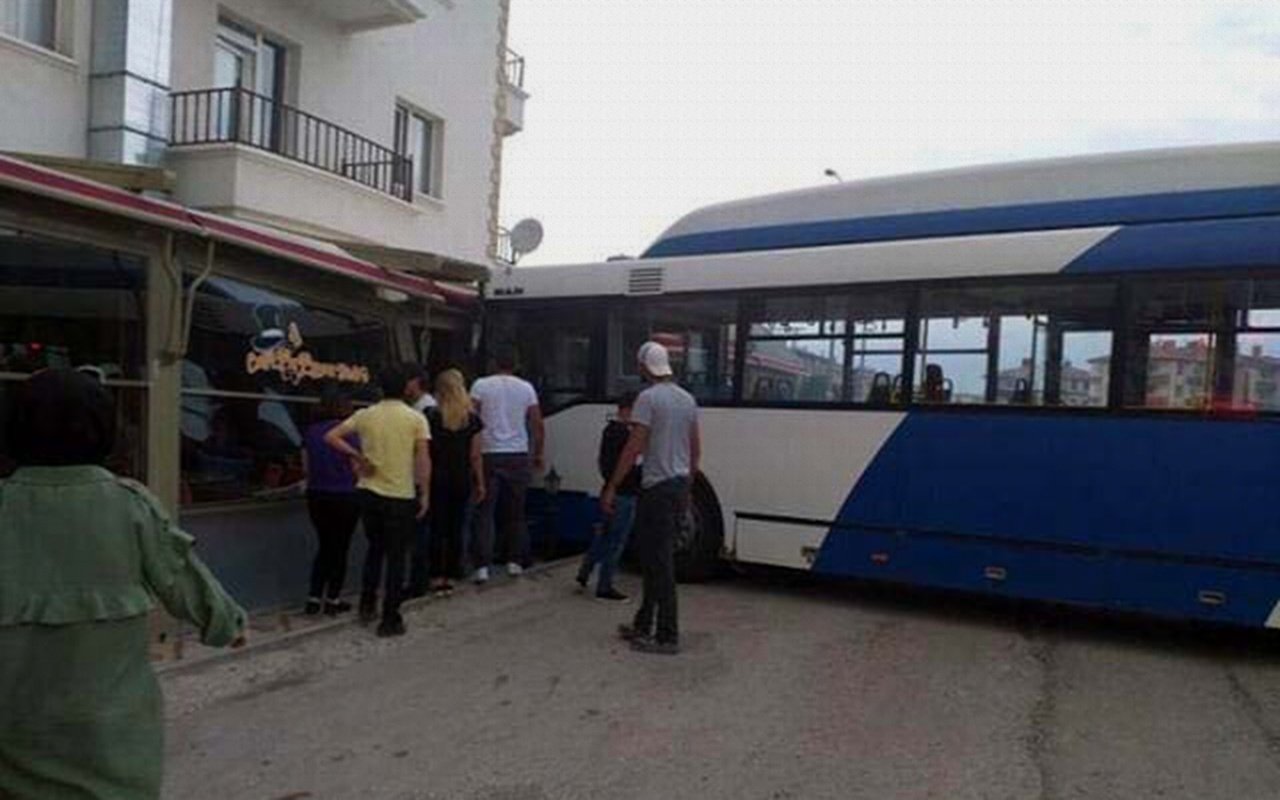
448	518
334	516
388	523
659	514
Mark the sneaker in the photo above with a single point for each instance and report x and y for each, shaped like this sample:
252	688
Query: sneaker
481	576
582	584
312	607
390	628
368	613
629	633
612	594
644	644
514	569
333	608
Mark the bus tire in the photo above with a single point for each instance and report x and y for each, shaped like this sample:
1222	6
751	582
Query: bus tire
698	550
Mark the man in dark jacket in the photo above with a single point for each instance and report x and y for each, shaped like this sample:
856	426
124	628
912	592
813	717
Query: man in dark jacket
611	540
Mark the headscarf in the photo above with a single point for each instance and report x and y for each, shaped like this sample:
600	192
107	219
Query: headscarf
61	418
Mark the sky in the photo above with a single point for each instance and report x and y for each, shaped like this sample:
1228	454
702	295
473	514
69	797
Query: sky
643	111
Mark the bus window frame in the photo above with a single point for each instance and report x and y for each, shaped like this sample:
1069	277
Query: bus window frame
1120	323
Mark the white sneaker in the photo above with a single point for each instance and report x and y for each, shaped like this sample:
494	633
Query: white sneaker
514	569
481	576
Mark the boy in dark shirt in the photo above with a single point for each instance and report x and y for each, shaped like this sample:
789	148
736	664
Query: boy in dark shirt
607	546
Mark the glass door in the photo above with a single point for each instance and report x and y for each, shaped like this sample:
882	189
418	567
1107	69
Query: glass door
245	59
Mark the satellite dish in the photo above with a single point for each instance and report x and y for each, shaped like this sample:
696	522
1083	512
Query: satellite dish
526	236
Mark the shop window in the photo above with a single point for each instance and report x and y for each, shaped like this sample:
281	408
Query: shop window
67	305
237	449
699	335
257	364
254	340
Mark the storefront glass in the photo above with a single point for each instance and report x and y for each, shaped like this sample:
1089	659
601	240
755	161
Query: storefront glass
63	305
257	364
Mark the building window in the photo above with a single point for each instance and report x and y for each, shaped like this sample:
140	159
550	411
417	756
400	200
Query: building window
257	365
417	136
33	21
245	58
66	305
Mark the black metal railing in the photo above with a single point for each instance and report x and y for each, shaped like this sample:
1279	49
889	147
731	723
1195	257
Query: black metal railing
240	116
515	69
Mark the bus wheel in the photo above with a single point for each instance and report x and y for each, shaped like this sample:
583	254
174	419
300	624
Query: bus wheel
699	546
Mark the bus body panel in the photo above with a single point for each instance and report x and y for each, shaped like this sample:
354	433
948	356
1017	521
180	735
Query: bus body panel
1164	516
1157	272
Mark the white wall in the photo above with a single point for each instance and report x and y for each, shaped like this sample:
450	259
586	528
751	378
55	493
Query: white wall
446	65
45	96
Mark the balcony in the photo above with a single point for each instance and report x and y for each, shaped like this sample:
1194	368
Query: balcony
513	82
240	153
239	116
354	16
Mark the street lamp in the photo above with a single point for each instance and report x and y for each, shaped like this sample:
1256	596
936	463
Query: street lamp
831	173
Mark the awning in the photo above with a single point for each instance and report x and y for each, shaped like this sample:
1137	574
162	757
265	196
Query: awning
432	266
16	174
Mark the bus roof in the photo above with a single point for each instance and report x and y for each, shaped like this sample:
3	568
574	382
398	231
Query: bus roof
1107	189
1192	208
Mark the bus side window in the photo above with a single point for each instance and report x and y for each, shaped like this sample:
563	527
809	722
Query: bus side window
1027	345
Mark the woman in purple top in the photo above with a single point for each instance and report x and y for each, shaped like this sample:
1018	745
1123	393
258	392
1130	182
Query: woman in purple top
333	505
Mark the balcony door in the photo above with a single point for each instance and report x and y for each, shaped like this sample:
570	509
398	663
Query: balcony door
244	58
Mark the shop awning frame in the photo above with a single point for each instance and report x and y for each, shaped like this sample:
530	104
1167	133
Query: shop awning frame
56	185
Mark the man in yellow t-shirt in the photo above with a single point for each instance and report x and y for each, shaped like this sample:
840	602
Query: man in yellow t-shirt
392	460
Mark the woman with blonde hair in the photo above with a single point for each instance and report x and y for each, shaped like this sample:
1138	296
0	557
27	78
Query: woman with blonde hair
457	477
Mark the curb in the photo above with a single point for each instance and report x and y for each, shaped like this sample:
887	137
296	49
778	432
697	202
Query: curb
285	640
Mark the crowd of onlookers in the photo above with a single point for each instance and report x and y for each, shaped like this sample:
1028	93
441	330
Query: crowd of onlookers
86	555
438	478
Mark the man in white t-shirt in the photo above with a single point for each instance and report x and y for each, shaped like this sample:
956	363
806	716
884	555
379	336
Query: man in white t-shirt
512	443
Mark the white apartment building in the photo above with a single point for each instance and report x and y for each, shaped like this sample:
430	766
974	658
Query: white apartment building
378	121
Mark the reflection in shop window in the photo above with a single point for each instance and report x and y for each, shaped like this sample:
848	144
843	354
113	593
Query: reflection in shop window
257	365
242	449
246	338
69	305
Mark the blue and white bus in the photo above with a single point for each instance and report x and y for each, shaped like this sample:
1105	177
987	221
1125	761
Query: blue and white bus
1055	380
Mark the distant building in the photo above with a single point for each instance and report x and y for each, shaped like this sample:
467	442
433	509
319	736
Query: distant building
1077	387
1179	375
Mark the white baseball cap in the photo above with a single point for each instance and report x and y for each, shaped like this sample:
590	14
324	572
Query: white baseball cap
655	359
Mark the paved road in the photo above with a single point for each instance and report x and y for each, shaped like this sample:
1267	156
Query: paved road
786	690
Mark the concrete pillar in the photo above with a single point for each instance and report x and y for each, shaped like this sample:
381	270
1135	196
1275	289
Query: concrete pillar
129	80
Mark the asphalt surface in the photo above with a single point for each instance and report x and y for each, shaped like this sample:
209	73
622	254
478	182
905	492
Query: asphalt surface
786	689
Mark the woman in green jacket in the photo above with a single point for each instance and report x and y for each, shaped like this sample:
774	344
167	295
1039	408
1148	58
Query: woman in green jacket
84	555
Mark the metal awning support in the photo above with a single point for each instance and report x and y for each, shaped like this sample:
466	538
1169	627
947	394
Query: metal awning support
428	265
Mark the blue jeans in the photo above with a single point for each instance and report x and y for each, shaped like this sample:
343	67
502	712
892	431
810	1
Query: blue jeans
607	548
